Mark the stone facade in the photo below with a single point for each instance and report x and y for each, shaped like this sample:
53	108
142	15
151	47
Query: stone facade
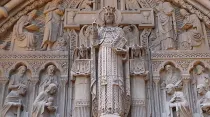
104	58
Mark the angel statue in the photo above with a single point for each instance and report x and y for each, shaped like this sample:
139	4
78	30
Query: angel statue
113	84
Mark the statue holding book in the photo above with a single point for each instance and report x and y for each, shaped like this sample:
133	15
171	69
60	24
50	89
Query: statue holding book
112	52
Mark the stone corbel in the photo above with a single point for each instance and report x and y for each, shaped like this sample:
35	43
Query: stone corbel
81	67
4	11
137	68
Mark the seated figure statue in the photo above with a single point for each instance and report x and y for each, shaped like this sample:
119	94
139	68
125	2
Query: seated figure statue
193	37
23	37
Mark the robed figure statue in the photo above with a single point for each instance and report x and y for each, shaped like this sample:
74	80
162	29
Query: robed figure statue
112	89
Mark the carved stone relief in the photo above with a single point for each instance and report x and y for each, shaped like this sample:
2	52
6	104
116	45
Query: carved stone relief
104	58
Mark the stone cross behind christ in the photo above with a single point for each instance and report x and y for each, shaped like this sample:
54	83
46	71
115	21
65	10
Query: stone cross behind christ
143	17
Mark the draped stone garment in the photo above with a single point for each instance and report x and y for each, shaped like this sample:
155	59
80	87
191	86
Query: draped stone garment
39	105
110	73
182	106
22	37
47	80
165	25
8	109
52	23
194	34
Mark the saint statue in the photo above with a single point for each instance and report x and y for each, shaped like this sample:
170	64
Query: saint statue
43	104
111	43
165	25
172	76
23	33
17	86
180	104
53	12
49	78
193	36
201	77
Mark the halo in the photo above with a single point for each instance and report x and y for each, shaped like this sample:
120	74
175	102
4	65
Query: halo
100	17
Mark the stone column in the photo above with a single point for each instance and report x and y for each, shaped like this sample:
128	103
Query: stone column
3	82
156	80
186	81
4	11
63	104
138	92
82	96
81	76
33	83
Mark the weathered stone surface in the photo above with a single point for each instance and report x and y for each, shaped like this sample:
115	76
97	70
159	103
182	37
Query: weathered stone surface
104	58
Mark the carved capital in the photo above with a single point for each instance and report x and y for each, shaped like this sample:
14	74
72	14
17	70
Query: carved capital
186	78
3	80
137	68
156	79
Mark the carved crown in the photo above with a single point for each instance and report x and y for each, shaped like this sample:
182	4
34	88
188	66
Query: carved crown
109	9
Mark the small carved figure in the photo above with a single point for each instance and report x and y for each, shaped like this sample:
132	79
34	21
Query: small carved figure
204	101
165	30
43	104
132	5
13	103
53	12
132	34
172	77
180	104
137	52
49	78
200	76
17	86
23	33
62	44
19	79
82	52
193	37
